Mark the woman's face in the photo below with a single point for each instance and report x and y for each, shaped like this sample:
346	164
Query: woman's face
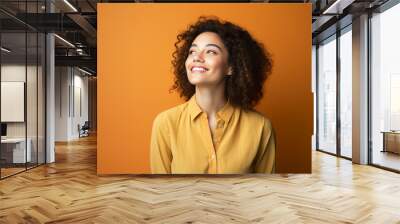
207	62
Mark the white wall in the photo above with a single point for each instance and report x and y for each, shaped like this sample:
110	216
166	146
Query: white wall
34	125
71	93
61	103
16	73
79	117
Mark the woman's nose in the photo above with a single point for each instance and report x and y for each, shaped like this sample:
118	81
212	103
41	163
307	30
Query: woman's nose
199	57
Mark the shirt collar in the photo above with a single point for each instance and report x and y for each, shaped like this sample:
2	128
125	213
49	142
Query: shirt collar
225	113
194	109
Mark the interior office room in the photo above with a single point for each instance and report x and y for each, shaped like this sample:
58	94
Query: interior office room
49	151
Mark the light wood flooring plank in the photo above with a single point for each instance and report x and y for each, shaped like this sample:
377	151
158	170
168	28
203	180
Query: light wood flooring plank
69	191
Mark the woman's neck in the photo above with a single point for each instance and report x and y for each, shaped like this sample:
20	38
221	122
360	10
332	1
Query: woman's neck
210	99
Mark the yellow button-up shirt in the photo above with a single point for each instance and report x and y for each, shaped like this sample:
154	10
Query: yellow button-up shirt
181	142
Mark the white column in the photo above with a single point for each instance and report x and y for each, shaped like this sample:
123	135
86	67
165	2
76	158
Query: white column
50	92
50	110
62	103
360	90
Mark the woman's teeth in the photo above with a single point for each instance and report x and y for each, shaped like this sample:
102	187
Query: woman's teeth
198	69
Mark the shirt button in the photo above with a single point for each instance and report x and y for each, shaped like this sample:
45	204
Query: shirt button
213	156
220	124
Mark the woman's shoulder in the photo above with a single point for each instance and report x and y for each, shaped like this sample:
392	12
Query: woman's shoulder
171	114
255	116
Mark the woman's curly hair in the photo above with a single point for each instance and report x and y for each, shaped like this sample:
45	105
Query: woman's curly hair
250	62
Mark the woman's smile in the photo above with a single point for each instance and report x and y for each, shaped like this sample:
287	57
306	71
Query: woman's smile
198	69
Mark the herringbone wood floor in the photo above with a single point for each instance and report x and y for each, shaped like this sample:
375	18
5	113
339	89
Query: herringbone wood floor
69	191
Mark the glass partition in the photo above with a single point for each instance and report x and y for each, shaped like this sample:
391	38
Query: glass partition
385	89
41	86
32	95
13	103
22	77
327	95
346	93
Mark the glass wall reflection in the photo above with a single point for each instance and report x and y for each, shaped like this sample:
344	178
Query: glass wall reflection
385	89
22	90
14	153
31	100
346	93
41	79
327	95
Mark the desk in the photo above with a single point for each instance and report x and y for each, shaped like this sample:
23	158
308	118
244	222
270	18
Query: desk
391	141
13	150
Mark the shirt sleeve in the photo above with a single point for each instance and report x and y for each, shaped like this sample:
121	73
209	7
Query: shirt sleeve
265	162
160	150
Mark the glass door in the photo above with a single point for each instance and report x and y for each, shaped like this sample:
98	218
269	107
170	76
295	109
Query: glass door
385	89
326	95
345	92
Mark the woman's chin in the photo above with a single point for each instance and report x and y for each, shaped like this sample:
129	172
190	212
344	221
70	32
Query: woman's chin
203	80
198	81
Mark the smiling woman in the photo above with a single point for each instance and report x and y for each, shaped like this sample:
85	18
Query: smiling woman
220	70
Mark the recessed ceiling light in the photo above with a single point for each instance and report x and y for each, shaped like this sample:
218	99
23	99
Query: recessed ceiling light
64	40
70	5
5	50
84	71
338	6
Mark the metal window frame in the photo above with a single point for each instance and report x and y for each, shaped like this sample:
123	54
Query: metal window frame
337	34
387	5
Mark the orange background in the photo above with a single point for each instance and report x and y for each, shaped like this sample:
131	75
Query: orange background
135	45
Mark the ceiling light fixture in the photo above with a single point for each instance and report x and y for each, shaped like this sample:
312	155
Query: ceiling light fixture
64	40
84	71
337	7
5	50
70	5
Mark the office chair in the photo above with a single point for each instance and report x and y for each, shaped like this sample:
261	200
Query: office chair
84	130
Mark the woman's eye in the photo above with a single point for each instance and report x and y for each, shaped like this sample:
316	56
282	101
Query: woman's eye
211	52
191	51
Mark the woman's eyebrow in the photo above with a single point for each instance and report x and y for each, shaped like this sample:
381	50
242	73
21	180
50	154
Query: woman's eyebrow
213	45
